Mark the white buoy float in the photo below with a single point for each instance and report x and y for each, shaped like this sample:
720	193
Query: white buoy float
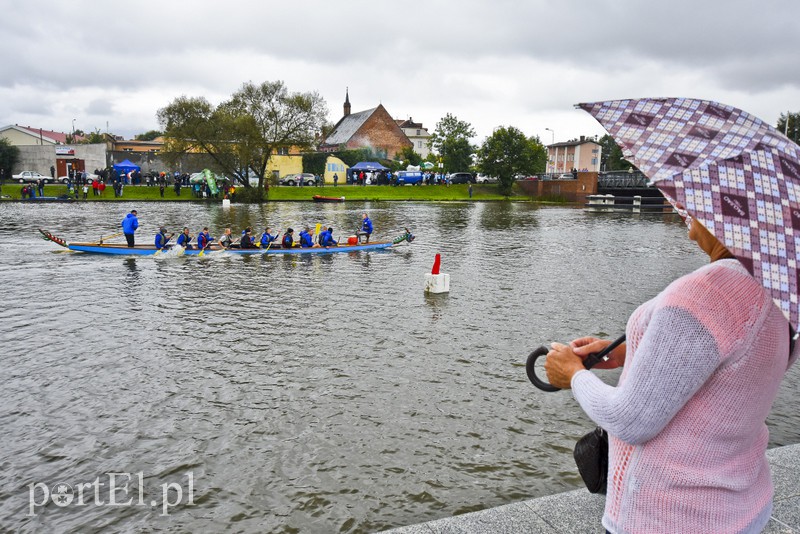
436	282
226	203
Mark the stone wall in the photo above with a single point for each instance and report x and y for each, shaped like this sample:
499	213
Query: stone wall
573	190
39	158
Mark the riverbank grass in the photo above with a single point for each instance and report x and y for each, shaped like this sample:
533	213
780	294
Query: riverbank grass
459	192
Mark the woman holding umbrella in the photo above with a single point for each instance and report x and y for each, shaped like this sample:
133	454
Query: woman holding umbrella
705	358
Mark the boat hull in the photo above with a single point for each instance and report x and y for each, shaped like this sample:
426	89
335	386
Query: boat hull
123	250
319	198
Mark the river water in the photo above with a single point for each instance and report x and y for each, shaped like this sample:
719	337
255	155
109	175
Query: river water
306	394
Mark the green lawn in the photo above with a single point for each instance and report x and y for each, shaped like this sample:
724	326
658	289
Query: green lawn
129	192
285	193
387	192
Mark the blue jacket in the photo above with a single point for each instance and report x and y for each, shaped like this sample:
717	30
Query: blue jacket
266	239
305	239
326	239
161	240
203	239
184	240
130	223
366	226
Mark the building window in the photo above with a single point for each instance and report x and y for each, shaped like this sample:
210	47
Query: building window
419	132
283	151
594	161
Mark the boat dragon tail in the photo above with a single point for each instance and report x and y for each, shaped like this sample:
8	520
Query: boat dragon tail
47	236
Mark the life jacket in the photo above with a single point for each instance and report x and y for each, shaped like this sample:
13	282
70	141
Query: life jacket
287	241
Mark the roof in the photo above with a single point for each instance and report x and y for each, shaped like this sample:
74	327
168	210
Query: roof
49	135
574	142
348	127
408	123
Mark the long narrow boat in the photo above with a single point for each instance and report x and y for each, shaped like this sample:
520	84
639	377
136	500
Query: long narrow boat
122	249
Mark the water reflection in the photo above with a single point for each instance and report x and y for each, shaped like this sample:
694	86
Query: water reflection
322	393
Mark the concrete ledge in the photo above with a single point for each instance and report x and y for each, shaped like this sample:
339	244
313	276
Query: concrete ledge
580	511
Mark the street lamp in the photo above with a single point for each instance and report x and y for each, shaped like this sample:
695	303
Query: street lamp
73	129
553	138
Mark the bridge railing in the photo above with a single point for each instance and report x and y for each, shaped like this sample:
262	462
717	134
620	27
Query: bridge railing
621	179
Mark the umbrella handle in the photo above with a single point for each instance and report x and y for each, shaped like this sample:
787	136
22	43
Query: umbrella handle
590	361
531	371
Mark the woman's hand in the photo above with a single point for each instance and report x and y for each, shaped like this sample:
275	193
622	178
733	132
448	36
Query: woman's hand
584	346
561	364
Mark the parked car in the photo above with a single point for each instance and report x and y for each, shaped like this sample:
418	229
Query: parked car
483	179
294	179
565	176
89	178
30	176
461	178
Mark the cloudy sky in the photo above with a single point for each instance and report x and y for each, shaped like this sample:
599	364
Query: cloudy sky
521	63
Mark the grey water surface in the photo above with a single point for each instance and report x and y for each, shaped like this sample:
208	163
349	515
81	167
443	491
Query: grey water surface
324	393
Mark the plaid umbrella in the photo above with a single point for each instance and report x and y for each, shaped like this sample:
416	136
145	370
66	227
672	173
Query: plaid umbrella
733	172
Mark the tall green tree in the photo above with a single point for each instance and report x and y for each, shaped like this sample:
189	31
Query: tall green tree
451	140
409	157
611	155
789	123
241	134
9	155
507	152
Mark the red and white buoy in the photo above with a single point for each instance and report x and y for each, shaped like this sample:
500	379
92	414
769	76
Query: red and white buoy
437	282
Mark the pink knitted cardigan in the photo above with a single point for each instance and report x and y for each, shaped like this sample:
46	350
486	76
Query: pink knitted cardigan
686	421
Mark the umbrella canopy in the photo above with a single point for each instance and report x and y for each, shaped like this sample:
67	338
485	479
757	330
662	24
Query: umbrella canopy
369	166
733	172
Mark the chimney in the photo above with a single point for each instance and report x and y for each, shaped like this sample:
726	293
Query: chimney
583	138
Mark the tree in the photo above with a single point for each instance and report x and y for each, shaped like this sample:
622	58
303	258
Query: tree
611	155
793	130
241	134
409	157
150	135
9	155
450	139
507	152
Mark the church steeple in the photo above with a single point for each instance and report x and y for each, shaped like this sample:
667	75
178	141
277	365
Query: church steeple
347	102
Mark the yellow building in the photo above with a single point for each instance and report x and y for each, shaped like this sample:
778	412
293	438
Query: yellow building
334	165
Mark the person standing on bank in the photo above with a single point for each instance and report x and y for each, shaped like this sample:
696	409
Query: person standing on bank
129	225
686	422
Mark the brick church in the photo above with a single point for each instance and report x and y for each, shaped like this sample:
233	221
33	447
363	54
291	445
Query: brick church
373	128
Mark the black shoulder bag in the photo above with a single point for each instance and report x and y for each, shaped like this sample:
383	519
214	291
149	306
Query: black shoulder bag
591	451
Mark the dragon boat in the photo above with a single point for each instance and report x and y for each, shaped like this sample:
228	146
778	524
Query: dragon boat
122	249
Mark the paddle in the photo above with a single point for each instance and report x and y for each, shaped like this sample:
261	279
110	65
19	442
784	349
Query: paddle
108	237
316	233
272	241
165	244
205	247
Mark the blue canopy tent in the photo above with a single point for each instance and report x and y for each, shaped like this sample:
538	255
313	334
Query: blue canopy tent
124	167
369	166
366	166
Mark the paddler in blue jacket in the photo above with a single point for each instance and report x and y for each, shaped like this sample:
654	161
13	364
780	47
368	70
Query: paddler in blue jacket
162	239
326	239
185	239
204	239
129	225
267	237
307	238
